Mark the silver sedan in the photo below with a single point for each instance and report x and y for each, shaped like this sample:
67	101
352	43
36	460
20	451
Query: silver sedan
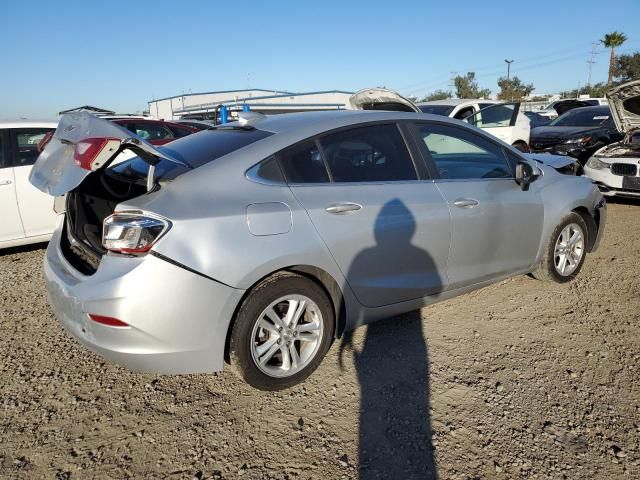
259	242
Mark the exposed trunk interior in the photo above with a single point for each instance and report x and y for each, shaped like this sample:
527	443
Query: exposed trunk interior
86	208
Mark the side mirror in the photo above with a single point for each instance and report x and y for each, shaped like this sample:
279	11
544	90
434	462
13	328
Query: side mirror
525	174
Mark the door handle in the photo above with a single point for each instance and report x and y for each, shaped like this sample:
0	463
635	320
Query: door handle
465	203
5	182
343	208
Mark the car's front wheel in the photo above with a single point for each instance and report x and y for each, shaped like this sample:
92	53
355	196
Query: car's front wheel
565	252
281	332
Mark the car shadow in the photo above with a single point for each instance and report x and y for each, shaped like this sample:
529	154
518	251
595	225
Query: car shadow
624	200
392	364
23	249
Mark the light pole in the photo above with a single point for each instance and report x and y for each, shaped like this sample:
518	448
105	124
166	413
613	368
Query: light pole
509	62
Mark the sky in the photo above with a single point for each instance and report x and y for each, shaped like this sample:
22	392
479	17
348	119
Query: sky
121	54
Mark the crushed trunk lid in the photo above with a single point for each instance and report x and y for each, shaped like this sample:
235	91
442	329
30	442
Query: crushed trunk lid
84	143
380	99
624	102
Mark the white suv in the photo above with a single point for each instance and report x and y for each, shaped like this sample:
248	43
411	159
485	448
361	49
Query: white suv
27	213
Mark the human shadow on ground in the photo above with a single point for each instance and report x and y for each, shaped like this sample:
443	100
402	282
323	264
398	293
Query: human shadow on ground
393	364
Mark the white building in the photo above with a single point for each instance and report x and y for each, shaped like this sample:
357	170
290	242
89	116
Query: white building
204	105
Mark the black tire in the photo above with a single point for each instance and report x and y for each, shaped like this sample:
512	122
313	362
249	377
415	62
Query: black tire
523	147
547	269
264	294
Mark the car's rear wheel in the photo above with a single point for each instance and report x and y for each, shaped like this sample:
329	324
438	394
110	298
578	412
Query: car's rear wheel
281	332
565	252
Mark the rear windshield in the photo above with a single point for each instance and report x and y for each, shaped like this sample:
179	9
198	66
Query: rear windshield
582	117
444	110
195	150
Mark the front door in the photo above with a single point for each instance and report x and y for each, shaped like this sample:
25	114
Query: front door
496	226
10	223
388	231
501	121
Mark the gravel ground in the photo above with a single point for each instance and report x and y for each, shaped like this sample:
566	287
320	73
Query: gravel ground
520	379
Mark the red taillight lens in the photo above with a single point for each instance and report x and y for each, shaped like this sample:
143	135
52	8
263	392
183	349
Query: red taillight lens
108	321
132	232
92	153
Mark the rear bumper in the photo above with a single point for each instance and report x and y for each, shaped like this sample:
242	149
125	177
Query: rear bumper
178	320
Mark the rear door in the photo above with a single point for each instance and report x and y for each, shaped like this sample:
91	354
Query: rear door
36	207
11	224
387	227
496	226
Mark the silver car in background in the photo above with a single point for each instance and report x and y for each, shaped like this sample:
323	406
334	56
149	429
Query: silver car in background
259	242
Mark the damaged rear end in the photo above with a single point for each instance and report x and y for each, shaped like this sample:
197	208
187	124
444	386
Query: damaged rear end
105	282
75	162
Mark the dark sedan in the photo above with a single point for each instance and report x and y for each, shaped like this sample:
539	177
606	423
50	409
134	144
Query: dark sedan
577	133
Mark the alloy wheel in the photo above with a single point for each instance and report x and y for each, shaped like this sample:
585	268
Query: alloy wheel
287	335
569	249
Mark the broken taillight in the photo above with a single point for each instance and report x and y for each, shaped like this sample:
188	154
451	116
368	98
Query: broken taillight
132	232
92	153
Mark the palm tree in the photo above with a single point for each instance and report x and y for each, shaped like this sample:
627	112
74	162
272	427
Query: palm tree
613	40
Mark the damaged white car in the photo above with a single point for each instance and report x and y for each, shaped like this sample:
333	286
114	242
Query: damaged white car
615	168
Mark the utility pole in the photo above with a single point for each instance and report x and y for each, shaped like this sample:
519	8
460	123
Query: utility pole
452	80
591	61
509	62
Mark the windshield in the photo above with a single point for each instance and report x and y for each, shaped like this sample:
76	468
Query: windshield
195	150
443	110
582	117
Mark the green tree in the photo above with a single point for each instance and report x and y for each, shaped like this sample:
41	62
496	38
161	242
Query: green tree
437	95
627	67
513	89
467	87
612	41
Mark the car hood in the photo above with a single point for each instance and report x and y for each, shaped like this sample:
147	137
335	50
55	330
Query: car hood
380	99
624	102
560	132
58	171
555	161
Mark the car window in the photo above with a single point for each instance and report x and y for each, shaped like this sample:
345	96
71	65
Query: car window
2	164
269	170
464	113
150	131
444	110
180	132
303	163
368	154
27	140
582	117
459	154
493	116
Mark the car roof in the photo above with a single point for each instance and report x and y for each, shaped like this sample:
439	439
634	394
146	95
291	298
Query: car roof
456	101
312	123
594	108
22	123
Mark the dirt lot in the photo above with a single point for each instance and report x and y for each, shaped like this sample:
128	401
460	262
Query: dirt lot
523	379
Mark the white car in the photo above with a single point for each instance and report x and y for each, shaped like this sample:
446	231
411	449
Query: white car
27	213
501	119
615	168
